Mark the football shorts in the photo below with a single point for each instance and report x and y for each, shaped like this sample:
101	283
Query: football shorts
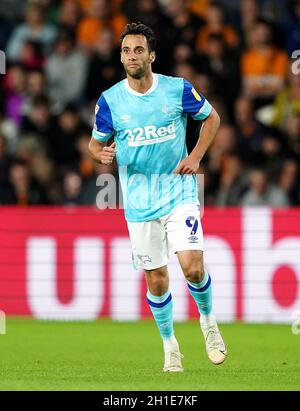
153	241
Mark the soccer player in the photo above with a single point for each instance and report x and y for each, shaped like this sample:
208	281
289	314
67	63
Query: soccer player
146	113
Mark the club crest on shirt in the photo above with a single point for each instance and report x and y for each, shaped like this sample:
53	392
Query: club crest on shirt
125	118
196	94
169	111
96	109
165	110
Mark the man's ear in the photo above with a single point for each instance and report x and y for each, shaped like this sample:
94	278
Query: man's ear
152	56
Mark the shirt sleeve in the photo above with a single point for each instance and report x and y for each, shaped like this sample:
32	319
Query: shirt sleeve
194	103
103	127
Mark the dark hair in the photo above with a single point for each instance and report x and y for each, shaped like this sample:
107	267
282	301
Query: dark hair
263	21
41	100
140	28
18	162
65	35
216	37
217	5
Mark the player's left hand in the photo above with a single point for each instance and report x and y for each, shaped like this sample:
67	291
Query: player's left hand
187	166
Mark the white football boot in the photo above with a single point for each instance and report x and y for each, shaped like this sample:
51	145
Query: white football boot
215	346
173	361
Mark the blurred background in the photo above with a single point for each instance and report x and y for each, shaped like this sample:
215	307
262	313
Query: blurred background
60	56
60	256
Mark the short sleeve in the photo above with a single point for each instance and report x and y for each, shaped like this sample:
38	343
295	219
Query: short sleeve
194	103
103	127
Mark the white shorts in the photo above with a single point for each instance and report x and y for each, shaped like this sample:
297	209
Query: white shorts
153	241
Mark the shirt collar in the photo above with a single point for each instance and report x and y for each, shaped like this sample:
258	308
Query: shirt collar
151	89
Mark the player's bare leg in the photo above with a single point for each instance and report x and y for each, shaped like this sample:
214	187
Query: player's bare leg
161	305
199	283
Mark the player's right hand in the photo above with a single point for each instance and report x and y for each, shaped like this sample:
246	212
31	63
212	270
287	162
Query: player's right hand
108	154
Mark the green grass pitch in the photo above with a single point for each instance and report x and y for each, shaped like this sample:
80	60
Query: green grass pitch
106	355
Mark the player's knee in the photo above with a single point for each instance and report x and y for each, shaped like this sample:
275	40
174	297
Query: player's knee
157	286
157	281
194	274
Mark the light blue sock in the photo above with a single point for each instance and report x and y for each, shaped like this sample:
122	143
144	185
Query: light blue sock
202	294
162	310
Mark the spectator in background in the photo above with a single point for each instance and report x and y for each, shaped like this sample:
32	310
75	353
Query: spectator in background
34	28
39	121
263	66
183	53
69	127
10	131
4	166
293	135
100	15
69	16
36	87
15	87
29	147
149	12
31	55
43	171
223	145
199	8
249	11
273	10
205	83
215	25
232	183
85	163
272	155
66	71
12	10
185	70
287	101
103	67
250	132
72	189
291	25
31	151
262	193
289	180
24	190
185	23
5	29
222	66
249	14
36	83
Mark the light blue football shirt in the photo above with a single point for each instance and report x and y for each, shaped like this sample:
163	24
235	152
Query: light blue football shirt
150	135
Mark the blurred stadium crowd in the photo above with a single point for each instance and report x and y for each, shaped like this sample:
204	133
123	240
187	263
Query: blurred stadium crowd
61	55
